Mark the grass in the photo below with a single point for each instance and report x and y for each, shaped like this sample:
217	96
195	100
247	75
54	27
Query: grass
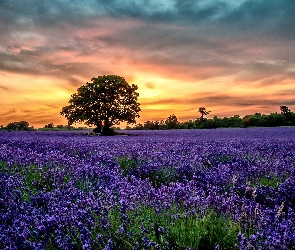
35	178
157	177
269	181
127	164
170	228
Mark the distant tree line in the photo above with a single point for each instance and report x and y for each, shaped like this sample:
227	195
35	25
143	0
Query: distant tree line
52	127
285	118
25	126
19	126
108	100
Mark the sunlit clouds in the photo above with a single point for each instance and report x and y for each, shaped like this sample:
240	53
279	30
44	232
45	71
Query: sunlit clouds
232	57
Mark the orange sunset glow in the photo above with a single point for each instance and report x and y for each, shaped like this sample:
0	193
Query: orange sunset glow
232	57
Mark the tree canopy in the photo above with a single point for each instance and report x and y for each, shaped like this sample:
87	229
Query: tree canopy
204	113
105	101
21	126
285	118
171	122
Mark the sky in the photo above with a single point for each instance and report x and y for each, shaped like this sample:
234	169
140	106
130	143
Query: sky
233	57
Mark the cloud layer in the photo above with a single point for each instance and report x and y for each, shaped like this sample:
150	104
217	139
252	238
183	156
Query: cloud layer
233	57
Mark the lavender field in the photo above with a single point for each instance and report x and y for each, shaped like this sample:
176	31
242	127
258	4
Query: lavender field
174	189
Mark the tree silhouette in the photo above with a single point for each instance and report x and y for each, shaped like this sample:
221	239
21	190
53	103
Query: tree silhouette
290	116
204	114
21	126
285	110
171	122
105	101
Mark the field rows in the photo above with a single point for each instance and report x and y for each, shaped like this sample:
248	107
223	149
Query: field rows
176	189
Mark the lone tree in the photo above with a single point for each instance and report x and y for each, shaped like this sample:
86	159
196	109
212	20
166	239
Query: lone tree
105	101
204	114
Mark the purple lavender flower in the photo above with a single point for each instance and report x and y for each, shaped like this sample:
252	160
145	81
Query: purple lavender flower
61	190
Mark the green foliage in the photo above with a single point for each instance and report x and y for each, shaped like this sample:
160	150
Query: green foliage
203	232
19	126
171	122
253	120
162	176
274	120
286	118
105	101
60	128
271	181
171	228
35	178
153	125
138	126
157	177
49	125
188	125
290	116
85	184
4	168
258	120
127	164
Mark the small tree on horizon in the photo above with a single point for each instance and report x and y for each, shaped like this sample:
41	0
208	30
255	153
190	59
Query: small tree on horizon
49	125
290	116
171	122
105	101
285	110
204	114
20	126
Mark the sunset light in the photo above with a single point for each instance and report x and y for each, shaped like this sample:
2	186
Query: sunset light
232	57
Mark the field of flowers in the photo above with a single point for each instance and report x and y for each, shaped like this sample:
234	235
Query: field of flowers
174	189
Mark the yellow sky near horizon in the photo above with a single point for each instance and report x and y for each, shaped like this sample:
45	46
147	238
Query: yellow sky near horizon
41	99
233	61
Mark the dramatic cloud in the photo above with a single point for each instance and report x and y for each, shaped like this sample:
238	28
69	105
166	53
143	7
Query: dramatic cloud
11	111
3	88
239	51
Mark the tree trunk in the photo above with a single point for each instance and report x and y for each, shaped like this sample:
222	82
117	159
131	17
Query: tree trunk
97	130
106	130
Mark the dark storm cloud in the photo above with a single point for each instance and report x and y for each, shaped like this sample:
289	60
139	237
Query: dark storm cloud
255	12
198	39
164	11
264	16
43	13
78	12
269	17
35	63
